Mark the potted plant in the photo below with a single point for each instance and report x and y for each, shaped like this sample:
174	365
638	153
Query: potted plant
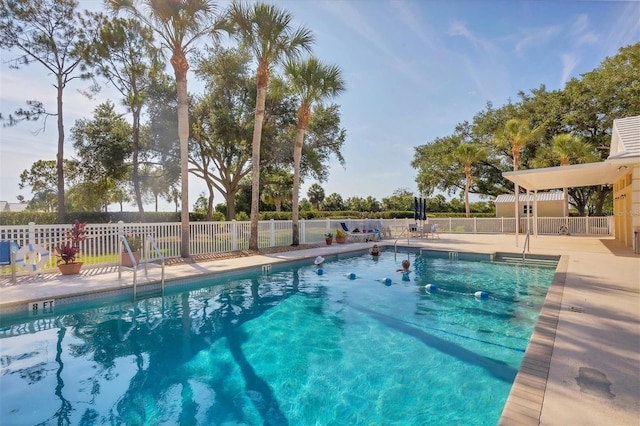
135	244
328	238
341	236
67	252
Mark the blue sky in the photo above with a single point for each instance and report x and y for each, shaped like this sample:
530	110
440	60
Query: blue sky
413	70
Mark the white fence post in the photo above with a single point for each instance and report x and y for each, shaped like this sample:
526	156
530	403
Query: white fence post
272	233
302	229
234	235
32	233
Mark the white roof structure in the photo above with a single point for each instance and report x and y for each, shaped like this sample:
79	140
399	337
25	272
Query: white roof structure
12	207
623	153
542	196
625	140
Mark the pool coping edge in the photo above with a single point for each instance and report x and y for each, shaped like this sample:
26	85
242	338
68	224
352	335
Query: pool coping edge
524	403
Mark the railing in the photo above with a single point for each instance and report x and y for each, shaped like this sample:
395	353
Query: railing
149	243
102	246
526	245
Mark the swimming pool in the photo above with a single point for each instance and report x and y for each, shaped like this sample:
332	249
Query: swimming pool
285	347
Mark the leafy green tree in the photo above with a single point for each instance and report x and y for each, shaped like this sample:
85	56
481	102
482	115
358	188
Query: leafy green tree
333	202
222	123
202	204
324	139
45	32
277	190
567	149
354	204
157	184
467	155
305	205
456	205
103	146
160	166
316	195
437	203
178	24
608	92
516	134
266	31
122	51
312	82
400	200
41	177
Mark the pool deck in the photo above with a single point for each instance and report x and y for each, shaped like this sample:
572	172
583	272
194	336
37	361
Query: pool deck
581	367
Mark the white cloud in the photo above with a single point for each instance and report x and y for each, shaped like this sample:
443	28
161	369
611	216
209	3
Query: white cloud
580	25
581	33
626	28
569	62
457	28
536	37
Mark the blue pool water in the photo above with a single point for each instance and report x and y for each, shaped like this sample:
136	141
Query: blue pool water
290	347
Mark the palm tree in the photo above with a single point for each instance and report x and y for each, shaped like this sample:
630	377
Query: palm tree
178	24
567	147
316	195
266	31
312	82
516	134
277	188
468	154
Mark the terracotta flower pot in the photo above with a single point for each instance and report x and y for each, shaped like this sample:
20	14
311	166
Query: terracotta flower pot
341	240
329	241
70	268
126	260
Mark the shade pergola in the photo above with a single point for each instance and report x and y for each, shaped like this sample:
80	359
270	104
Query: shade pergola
571	176
567	176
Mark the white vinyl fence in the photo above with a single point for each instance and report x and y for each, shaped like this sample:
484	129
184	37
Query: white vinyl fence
102	247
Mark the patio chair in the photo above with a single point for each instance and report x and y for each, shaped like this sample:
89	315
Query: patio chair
357	235
7	257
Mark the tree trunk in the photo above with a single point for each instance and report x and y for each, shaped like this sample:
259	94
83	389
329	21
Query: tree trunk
60	156
180	66
210	203
297	158
467	207
136	166
255	159
230	199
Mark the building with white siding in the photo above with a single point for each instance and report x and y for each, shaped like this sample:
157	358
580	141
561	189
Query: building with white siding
621	169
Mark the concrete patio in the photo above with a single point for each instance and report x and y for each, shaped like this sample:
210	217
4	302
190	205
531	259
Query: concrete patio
582	365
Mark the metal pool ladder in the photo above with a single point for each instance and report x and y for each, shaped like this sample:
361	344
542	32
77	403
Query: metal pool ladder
148	241
408	234
526	246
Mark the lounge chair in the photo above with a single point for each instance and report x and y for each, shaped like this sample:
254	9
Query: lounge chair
7	257
356	235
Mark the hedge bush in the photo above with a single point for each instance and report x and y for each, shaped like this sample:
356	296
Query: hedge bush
24	217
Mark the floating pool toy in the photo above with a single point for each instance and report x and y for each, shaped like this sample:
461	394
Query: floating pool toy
320	271
480	294
352	276
387	281
432	288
